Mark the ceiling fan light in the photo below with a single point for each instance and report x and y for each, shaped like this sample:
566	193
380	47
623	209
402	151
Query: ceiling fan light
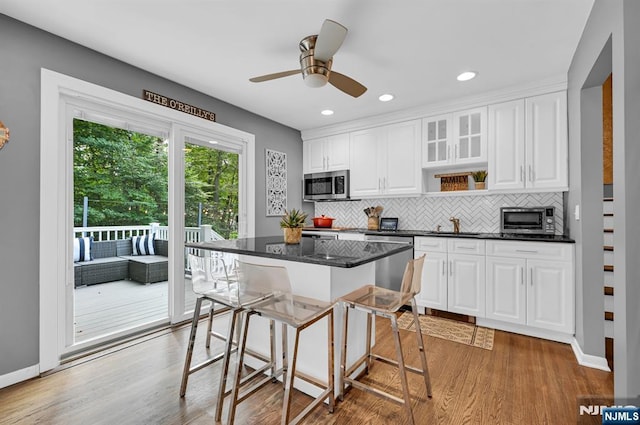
385	97
315	80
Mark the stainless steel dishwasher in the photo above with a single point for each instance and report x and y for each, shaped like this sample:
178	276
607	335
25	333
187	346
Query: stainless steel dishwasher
389	270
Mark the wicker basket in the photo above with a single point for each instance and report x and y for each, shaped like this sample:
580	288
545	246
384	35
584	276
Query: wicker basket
453	181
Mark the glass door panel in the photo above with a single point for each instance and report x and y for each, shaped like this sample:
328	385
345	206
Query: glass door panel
120	192
211	198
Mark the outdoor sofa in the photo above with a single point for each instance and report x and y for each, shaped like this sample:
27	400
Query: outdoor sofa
114	260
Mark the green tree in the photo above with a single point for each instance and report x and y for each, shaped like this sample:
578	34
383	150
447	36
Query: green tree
123	173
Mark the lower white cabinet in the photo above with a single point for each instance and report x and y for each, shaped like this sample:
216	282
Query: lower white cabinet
453	275
531	284
466	284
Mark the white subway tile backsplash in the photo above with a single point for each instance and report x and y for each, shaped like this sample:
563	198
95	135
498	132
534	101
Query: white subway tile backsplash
476	213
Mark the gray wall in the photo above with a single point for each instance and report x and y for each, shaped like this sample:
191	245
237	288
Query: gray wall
609	42
24	51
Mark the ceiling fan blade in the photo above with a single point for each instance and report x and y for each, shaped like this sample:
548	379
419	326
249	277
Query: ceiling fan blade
331	36
274	76
346	84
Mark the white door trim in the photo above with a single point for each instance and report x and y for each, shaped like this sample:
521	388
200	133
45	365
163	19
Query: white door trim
58	92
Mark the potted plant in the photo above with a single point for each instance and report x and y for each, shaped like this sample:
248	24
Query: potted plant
479	178
292	223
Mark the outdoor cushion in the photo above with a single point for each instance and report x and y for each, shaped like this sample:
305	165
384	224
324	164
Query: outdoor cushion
82	249
143	245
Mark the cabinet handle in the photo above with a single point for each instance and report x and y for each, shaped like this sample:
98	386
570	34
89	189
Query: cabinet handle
531	251
455	149
378	184
531	276
326	158
530	174
444	266
448	152
522	276
522	173
450	268
465	247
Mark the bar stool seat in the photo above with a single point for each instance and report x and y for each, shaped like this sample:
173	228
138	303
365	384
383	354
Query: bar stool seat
273	285
382	302
215	281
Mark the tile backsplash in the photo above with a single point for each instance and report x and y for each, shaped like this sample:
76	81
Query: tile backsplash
476	213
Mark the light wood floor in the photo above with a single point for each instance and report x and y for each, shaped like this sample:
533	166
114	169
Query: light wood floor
521	381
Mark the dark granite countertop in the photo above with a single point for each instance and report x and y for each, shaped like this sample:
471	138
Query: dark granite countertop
495	236
334	253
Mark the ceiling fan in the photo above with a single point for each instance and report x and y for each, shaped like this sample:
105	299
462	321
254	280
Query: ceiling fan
316	58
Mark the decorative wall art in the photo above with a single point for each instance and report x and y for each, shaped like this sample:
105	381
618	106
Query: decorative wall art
276	186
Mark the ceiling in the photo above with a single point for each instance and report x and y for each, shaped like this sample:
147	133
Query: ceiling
413	49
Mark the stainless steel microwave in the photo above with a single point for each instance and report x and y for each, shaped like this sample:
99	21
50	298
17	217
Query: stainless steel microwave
329	186
528	220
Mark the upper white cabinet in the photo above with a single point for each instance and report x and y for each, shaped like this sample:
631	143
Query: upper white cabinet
385	161
436	140
326	154
455	139
528	147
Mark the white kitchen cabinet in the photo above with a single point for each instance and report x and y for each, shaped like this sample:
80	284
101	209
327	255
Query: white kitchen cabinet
453	275
528	145
326	154
455	139
437	139
385	161
506	290
434	272
531	283
466	276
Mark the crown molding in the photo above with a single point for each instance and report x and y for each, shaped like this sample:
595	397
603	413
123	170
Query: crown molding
549	85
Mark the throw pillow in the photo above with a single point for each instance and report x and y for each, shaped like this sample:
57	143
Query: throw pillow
143	245
82	249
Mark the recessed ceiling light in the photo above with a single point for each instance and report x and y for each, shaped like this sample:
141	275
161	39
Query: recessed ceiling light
327	112
213	142
385	97
466	76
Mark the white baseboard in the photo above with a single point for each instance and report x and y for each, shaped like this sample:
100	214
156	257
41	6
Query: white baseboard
19	375
588	360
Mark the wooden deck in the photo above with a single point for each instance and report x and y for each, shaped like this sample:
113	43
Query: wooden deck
109	307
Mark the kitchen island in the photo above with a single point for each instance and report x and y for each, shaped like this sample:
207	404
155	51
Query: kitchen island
321	269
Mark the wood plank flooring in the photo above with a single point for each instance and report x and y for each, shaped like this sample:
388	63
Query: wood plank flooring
522	380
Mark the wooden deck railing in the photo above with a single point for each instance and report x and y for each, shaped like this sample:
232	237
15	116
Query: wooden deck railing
111	233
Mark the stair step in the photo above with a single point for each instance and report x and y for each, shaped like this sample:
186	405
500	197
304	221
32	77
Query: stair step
608	268
608	315
608	248
607	199
608	214
608	230
608	290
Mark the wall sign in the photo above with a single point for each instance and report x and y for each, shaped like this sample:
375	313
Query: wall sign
177	105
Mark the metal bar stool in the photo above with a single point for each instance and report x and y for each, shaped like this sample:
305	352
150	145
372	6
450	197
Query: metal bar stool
214	280
385	303
273	285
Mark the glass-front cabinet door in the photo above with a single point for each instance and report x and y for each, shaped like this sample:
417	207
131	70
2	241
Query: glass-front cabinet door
436	141
470	136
